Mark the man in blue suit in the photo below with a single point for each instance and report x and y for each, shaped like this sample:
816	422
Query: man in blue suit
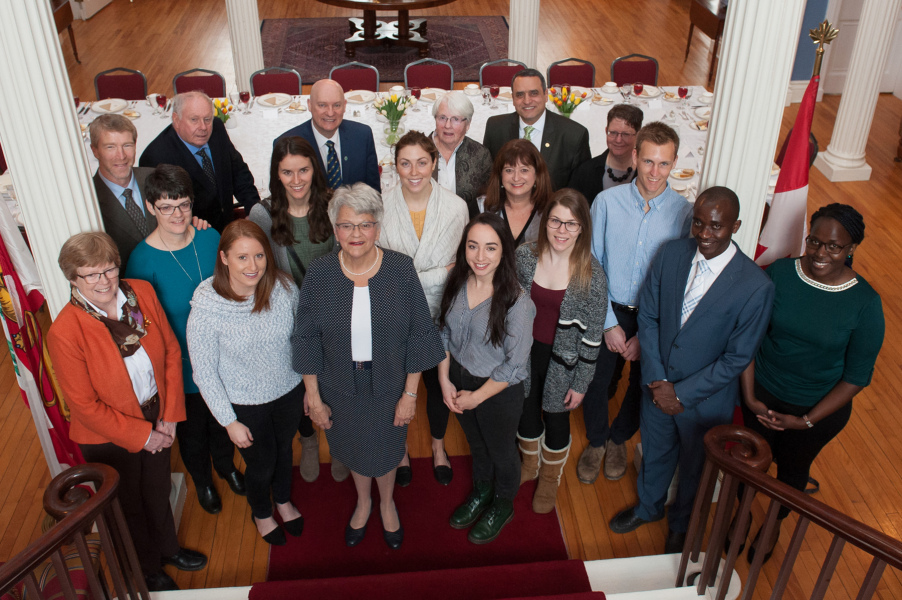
703	311
345	158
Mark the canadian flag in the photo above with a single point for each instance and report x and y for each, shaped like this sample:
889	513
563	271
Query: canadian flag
784	231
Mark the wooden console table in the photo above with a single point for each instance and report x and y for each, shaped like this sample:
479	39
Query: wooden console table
370	32
62	16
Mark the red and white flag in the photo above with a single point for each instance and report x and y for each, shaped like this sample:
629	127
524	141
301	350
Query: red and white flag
786	226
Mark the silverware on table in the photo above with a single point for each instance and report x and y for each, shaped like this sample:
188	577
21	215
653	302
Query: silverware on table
251	105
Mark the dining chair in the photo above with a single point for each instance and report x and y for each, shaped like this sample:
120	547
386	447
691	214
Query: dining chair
499	72
356	76
634	68
276	79
581	73
120	82
2	162
209	82
429	73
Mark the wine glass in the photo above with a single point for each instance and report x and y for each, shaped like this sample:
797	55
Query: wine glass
161	102
77	101
494	90
625	92
485	95
637	89
245	98
415	92
685	93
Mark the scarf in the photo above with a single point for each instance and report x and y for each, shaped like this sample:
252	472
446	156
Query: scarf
128	330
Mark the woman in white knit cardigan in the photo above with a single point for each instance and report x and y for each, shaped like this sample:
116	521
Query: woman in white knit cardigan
425	221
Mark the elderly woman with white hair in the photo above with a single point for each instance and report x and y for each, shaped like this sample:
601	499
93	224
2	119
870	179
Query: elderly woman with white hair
363	335
464	165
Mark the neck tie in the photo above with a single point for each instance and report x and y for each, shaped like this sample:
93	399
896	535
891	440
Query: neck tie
207	166
694	294
333	170
134	212
527	132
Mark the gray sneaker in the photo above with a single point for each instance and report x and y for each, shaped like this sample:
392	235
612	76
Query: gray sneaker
589	464
615	461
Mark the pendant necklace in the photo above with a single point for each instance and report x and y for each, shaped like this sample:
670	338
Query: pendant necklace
342	261
199	272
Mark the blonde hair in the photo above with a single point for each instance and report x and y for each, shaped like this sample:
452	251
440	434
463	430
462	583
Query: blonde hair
90	249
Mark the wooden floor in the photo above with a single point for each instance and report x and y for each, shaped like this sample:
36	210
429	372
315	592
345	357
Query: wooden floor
859	472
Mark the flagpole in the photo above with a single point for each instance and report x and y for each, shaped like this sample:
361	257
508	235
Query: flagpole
824	34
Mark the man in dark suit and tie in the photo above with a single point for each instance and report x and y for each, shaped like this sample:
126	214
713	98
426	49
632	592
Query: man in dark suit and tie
703	311
198	142
348	157
564	144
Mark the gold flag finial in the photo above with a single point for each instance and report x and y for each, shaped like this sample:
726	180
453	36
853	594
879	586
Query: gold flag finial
824	34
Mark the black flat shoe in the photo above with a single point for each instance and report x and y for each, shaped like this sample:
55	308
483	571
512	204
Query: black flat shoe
235	479
276	537
751	553
186	560
355	536
160	582
209	500
443	473
627	520
675	542
404	476
393	539
294	527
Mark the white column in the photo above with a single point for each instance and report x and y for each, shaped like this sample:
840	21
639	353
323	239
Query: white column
844	159
42	140
247	47
755	65
523	43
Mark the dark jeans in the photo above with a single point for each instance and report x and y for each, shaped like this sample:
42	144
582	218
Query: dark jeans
436	411
269	457
595	404
491	430
794	450
200	437
535	420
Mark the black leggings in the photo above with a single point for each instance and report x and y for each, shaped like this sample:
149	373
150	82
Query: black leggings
436	411
556	424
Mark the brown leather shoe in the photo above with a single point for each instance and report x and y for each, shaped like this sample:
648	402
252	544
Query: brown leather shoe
529	457
589	464
309	466
615	460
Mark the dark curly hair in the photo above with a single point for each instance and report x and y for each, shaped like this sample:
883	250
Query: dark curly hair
850	219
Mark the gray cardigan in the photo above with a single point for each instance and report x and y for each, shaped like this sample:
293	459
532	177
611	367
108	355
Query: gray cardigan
579	334
260	215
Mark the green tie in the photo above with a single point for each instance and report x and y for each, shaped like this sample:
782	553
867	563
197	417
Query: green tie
528	131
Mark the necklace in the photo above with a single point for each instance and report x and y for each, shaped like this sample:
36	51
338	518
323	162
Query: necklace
199	273
350	272
619	179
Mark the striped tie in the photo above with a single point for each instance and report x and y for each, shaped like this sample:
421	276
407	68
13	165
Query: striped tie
333	170
694	294
527	132
207	166
134	211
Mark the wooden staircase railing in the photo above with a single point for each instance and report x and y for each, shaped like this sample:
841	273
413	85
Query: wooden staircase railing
77	510
746	462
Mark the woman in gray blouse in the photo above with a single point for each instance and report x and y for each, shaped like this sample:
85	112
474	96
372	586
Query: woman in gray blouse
486	323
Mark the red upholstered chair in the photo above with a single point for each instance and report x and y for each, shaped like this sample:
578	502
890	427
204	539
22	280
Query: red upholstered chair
634	68
120	82
581	73
276	79
356	76
209	82
499	72
429	73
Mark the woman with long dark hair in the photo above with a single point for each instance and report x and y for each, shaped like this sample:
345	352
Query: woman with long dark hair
486	325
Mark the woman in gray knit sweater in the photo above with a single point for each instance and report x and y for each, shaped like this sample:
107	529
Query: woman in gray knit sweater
239	338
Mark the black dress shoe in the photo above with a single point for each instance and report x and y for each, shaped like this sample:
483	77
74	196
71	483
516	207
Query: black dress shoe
276	537
235	479
404	476
751	553
208	498
443	473
294	527
675	542
393	538
355	536
160	582
627	520
186	560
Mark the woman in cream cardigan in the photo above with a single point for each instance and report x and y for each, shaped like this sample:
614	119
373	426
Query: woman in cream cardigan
425	221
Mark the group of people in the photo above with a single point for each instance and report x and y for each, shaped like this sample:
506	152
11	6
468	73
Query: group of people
516	278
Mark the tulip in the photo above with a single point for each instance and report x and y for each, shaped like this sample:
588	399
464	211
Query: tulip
394	97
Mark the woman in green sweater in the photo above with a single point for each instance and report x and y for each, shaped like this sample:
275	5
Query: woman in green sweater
819	351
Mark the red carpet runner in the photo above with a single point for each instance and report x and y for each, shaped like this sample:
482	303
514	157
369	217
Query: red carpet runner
429	542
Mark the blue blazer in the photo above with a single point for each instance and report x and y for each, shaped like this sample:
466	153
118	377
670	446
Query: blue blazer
704	358
358	160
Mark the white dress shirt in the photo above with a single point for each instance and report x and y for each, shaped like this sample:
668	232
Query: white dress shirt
536	135
361	326
324	150
716	266
447	170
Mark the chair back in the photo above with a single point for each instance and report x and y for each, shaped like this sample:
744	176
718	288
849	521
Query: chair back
634	68
120	82
429	73
209	82
276	80
581	73
2	162
356	76
499	72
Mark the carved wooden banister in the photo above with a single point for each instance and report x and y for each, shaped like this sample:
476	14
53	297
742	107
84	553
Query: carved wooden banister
746	462
77	511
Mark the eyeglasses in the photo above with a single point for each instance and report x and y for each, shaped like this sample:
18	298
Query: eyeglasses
814	244
620	134
571	226
95	277
183	208
365	227
442	119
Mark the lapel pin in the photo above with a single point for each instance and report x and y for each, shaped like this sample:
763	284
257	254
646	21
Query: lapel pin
547	145
345	157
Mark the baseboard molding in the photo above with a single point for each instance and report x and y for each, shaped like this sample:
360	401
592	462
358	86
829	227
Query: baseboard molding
797	91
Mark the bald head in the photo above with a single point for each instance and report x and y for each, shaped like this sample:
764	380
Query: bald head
327	106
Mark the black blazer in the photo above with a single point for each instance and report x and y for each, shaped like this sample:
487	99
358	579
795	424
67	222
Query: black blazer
565	143
233	178
472	170
588	177
117	222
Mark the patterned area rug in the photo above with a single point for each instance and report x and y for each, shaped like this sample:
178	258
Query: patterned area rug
314	46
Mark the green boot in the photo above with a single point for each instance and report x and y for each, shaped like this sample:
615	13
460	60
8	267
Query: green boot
492	522
478	500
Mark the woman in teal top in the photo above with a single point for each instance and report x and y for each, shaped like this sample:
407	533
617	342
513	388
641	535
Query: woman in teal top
175	258
825	332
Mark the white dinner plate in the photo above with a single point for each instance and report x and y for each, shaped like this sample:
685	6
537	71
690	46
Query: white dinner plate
706	99
432	94
359	96
602	100
274	100
703	112
699	125
505	94
110	105
612	90
683	174
472	91
671	97
650	91
131	114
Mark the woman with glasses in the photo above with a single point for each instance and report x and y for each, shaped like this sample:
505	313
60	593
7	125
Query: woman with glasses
174	259
464	165
363	336
424	221
568	287
819	351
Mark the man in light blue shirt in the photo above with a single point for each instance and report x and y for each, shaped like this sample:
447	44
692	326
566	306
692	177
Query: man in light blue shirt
629	224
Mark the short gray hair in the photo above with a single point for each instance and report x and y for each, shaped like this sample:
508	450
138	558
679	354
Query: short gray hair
178	103
360	198
457	103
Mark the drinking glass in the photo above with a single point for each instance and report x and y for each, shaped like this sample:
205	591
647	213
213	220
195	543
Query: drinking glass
245	98
415	92
625	92
685	93
494	91
637	89
161	102
485	95
77	101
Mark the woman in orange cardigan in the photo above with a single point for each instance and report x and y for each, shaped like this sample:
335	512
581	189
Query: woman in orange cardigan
119	365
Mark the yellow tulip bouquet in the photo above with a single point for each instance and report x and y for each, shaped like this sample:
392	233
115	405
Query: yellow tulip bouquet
393	108
223	109
565	99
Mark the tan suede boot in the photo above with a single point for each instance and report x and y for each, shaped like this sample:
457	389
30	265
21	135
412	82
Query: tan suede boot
549	478
309	466
529	456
